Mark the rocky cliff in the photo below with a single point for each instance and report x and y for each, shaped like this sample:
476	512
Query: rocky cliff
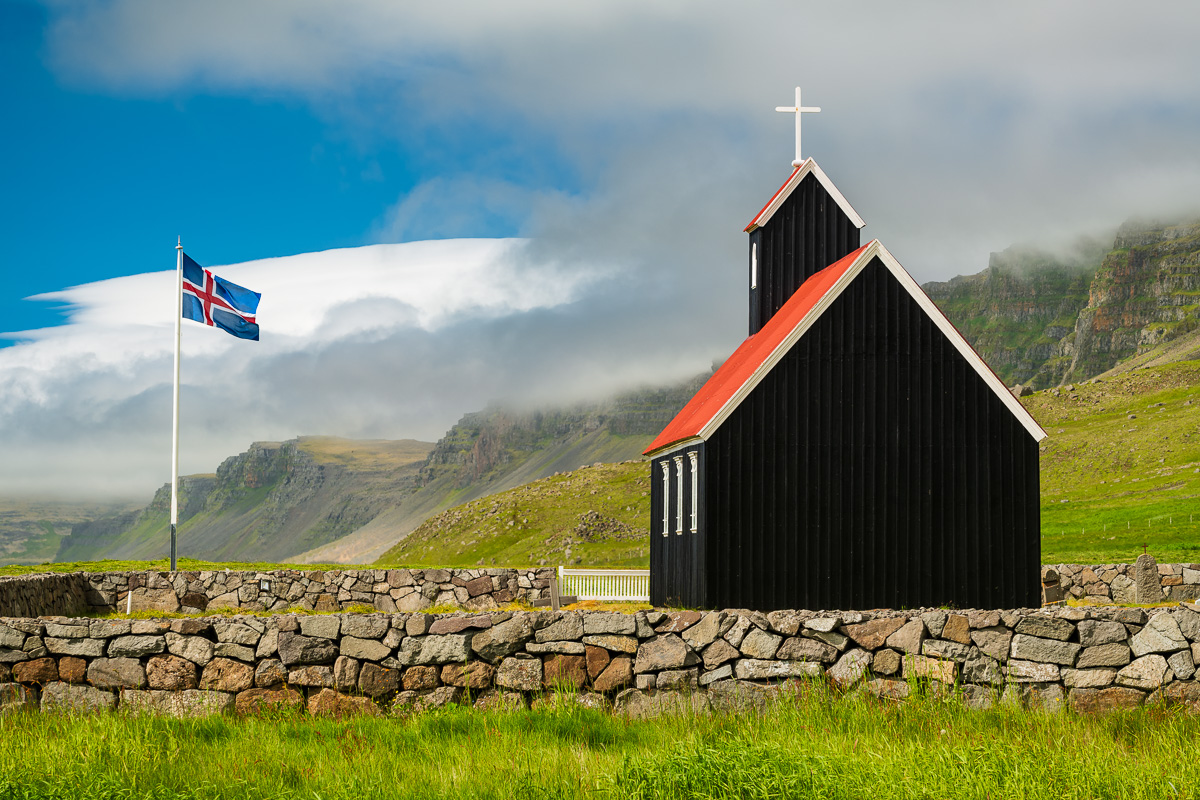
1042	319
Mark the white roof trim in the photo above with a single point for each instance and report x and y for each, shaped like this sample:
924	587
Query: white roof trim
682	444
809	166
871	251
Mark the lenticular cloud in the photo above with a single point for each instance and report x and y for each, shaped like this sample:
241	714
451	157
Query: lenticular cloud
386	340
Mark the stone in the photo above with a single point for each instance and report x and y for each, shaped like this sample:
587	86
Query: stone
994	641
378	682
666	651
321	626
889	688
264	700
568	627
636	704
1146	673
1032	672
718	653
1088	678
704	632
1095	632
597	659
520	674
679	679
153	600
237	652
269	672
738	630
982	670
40	670
760	644
495	700
568	648
236	633
227	675
678	621
311	675
170	673
979	698
345	674
84	648
108	628
1045	628
564	671
602	623
1052	651
934	622
1104	655
296	649
116	673
1047	697
1148	588
1123	590
1186	695
1189	623
13	639
617	675
421	678
15	698
184	704
886	662
330	703
983	619
268	645
871	635
72	670
617	644
475	675
940	648
753	669
366	649
1087	700
1182	665
736	697
1160	635
60	696
805	649
196	649
823	624
718	674
929	668
786	623
957	629
850	668
451	648
365	626
504	639
458	624
908	638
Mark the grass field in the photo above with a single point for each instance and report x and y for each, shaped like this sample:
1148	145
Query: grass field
159	565
812	746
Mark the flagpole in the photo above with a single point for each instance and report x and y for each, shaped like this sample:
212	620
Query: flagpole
175	415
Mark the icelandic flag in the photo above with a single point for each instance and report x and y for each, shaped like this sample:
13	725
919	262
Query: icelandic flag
217	302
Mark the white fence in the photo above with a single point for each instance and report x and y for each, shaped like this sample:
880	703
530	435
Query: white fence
605	584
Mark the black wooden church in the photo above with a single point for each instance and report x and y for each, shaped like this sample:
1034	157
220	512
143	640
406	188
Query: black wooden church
854	451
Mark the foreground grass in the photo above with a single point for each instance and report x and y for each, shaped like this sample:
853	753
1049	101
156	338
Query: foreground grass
810	746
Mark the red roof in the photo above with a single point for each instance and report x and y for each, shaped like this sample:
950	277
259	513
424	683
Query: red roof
751	356
757	356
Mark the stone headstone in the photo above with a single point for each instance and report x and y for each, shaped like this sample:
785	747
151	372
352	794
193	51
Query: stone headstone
1148	586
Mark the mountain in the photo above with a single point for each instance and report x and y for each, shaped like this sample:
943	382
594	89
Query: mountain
319	499
1043	319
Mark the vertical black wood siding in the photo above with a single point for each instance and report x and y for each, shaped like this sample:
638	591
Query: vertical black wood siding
872	468
804	236
677	560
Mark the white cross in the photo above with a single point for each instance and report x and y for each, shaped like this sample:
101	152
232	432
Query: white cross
797	110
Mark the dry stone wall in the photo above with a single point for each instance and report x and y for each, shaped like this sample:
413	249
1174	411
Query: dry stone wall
1145	581
1091	659
54	593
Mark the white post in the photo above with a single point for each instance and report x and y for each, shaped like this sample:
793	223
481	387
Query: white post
175	415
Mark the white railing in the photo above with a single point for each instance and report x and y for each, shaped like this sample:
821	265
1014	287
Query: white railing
605	584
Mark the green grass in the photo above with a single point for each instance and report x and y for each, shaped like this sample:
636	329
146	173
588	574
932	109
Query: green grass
810	746
599	512
1110	483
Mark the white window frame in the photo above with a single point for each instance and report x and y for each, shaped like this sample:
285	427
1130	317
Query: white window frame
754	265
694	458
679	485
666	496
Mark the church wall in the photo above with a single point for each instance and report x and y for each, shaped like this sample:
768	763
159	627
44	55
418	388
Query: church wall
677	558
808	233
872	468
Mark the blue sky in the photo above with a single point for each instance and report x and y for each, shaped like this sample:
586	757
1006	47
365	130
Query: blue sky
584	172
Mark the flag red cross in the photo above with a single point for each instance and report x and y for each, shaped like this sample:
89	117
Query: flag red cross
207	295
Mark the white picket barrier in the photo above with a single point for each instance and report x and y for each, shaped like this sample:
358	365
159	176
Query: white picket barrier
605	584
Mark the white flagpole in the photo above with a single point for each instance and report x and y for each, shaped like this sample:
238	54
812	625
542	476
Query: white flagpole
175	415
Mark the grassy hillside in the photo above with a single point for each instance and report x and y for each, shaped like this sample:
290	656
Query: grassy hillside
1121	467
1110	483
594	515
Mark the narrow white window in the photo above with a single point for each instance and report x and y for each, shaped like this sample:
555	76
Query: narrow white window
694	457
679	486
666	497
754	266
